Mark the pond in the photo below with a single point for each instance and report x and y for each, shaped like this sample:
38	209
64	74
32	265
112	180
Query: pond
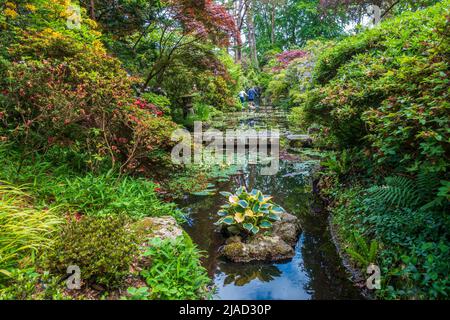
315	272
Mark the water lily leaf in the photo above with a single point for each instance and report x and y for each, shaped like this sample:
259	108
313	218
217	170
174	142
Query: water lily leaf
243	203
265	224
239	217
225	193
228	220
248	226
255	230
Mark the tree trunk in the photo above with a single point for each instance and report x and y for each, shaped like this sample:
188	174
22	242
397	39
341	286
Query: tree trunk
92	9
251	36
272	36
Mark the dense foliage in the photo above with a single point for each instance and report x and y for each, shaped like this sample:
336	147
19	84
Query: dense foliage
175	272
103	249
380	100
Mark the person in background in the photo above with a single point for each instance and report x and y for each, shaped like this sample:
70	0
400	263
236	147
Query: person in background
251	97
242	95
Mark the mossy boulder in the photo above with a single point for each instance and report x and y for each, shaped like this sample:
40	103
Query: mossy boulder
161	227
270	246
299	141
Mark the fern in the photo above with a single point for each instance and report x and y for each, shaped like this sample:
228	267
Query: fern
399	191
361	252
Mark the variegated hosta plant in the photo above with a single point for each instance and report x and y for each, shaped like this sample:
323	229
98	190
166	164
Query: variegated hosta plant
248	212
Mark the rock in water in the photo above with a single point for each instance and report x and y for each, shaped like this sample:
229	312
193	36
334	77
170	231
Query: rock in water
279	245
299	140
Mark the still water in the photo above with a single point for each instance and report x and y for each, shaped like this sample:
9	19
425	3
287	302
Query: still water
314	272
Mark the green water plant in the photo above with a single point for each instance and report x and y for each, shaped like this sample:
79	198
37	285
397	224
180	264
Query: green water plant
248	212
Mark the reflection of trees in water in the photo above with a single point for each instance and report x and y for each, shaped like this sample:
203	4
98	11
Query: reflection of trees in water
242	274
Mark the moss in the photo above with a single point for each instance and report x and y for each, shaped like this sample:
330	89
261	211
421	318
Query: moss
233	249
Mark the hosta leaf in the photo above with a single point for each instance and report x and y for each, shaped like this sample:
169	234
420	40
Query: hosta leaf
249	213
240	190
277	209
255	230
274	217
233	229
243	203
265	206
228	220
254	192
265	199
222	213
226	194
248	226
239	217
265	224
256	207
233	199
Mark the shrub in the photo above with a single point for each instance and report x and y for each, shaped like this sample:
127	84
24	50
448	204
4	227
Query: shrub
60	87
248	211
175	273
385	89
413	248
27	284
103	249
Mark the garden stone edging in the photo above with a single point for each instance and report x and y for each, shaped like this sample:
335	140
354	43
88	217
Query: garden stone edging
277	246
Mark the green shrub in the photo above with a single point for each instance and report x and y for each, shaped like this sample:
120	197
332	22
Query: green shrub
413	248
103	249
385	89
175	273
27	284
248	212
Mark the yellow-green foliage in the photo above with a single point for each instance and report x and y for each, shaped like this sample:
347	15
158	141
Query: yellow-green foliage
24	231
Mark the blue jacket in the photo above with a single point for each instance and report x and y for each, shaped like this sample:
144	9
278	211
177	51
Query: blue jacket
251	94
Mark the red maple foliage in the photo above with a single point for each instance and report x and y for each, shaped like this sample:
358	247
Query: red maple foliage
285	58
205	19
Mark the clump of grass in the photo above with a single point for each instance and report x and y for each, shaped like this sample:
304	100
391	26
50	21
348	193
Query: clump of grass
24	230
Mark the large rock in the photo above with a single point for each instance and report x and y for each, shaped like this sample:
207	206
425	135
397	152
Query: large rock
299	140
162	227
278	245
165	227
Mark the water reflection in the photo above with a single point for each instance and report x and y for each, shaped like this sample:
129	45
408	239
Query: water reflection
313	273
